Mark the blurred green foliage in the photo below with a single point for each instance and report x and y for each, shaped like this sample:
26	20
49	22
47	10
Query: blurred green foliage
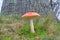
46	28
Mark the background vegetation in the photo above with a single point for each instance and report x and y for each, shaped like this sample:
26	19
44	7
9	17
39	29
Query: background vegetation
13	27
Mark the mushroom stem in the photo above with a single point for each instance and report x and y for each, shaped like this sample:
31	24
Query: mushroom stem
32	26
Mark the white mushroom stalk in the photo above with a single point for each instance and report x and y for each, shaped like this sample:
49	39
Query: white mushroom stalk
32	26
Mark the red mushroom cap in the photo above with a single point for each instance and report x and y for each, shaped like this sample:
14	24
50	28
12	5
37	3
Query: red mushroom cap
30	15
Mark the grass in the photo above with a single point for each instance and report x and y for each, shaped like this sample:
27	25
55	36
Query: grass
12	27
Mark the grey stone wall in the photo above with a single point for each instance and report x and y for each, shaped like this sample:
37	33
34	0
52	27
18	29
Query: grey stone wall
8	6
23	6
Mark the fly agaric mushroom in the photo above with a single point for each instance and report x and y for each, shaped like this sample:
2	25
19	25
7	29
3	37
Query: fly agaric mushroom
30	16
